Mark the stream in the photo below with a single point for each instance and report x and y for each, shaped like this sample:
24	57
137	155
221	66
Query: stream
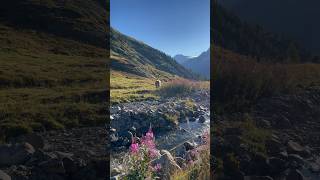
186	131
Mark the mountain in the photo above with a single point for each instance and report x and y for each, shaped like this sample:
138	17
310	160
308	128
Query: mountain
53	65
199	65
295	18
181	58
132	56
80	20
233	33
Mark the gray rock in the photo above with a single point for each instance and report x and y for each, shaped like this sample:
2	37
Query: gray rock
295	158
189	146
115	171
202	119
15	154
313	167
4	176
35	140
294	147
295	175
52	166
168	164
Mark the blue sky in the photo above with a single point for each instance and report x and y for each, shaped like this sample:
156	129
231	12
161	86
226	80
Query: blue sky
172	26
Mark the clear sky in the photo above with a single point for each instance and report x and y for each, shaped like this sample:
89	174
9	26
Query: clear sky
172	26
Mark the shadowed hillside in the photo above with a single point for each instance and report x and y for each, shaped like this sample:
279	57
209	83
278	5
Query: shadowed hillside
80	20
230	32
132	56
52	65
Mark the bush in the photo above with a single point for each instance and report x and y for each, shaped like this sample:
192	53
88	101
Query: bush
177	88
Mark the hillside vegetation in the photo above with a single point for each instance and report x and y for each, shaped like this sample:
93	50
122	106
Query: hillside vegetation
231	33
52	65
135	57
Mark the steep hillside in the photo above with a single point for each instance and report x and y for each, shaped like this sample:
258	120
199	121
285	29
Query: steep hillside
52	65
199	65
230	32
132	56
82	20
296	18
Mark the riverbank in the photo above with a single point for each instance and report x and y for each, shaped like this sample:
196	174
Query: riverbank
177	123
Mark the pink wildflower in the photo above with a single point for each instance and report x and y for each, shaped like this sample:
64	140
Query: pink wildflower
190	162
153	153
148	142
134	148
156	168
149	134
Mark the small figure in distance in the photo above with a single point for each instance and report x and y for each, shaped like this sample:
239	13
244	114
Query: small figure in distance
157	83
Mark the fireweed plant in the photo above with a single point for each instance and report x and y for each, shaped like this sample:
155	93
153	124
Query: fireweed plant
139	162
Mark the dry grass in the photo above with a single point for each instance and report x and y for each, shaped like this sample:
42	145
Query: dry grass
239	82
179	87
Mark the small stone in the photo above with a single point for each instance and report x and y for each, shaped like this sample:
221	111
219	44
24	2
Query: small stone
4	176
202	119
189	146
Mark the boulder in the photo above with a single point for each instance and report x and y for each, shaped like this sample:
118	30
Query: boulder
4	176
168	164
15	154
294	147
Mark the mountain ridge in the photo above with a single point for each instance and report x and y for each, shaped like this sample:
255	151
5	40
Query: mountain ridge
136	57
199	64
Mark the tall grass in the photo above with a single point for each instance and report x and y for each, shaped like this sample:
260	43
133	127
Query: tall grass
180	87
239	82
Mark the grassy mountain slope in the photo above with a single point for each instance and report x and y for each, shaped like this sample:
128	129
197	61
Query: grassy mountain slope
81	20
230	32
297	18
52	65
132	56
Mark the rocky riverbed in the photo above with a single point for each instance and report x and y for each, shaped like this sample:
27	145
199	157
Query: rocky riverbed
291	149
58	155
173	120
